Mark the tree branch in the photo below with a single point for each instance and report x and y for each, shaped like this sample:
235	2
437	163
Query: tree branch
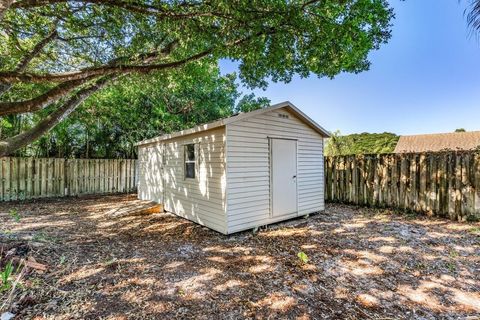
22	65
36	50
61	90
16	77
41	101
14	143
126	5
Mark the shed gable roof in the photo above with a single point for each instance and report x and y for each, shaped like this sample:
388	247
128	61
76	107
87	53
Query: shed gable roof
438	142
238	117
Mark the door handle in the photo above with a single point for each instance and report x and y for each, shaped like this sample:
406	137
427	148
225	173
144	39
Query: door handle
294	177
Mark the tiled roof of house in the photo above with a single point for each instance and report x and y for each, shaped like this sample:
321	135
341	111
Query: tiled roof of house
439	142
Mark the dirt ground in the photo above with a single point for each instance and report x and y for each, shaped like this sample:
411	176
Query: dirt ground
107	260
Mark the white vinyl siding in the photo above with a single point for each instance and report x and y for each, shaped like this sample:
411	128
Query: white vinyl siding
150	184
248	168
231	189
201	199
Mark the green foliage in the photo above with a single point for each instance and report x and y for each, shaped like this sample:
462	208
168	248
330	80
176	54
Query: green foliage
451	266
460	130
5	275
276	40
42	236
363	143
14	215
303	257
250	103
473	218
271	39
140	107
475	230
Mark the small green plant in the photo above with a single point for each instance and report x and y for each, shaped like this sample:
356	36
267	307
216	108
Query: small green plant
42	236
411	215
451	267
10	284
5	277
472	218
453	254
303	257
63	259
475	230
420	266
15	215
111	262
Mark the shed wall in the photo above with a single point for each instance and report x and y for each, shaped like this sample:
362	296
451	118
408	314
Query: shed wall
248	168
150	184
202	199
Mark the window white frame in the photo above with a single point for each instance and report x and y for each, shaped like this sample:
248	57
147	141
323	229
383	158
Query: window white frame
189	161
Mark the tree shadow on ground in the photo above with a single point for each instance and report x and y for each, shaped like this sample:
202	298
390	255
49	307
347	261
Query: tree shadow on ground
108	260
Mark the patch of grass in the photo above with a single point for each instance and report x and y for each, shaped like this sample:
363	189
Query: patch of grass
472	218
8	234
451	267
5	277
36	282
453	254
14	215
389	212
420	266
475	230
42	236
303	257
411	215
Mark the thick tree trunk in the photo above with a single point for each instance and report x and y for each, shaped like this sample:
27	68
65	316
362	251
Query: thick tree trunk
21	140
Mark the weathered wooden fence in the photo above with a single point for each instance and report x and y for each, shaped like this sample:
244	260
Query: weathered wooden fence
444	184
29	178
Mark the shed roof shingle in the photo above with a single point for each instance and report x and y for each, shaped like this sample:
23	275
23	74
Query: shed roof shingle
438	142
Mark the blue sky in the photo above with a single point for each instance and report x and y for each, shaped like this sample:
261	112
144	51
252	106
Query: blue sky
425	80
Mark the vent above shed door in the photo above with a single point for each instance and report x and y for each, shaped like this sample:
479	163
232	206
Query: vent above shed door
283	116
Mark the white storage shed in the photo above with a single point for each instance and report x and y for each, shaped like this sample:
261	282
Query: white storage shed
238	173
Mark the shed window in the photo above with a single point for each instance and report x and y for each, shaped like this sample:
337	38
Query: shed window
190	161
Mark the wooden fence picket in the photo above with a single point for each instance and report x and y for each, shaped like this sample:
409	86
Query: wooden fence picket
31	178
445	184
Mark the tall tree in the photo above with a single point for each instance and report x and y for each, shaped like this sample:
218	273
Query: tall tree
57	53
360	143
473	15
107	124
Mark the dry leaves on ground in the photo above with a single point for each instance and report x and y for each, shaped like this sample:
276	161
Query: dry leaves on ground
107	259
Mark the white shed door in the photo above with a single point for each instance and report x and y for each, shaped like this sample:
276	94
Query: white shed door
284	176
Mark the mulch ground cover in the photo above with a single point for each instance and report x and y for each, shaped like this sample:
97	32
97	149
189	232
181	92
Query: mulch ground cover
106	257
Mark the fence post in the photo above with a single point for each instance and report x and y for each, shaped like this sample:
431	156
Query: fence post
442	184
469	185
477	184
